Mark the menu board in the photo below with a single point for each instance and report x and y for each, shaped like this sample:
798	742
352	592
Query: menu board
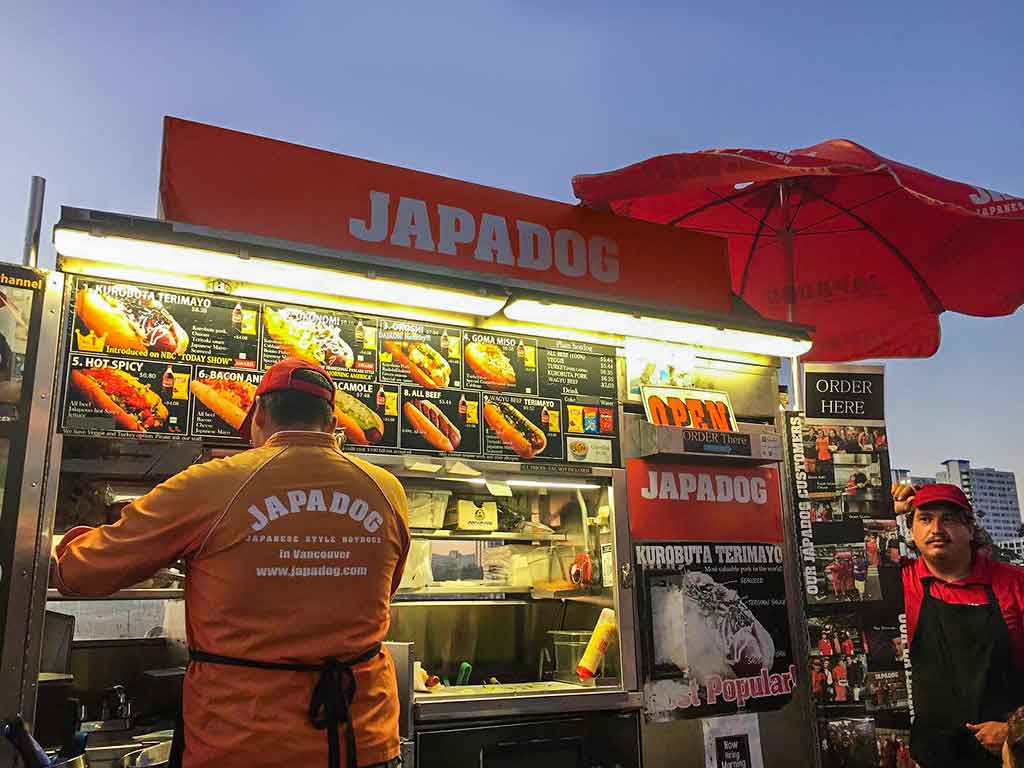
573	369
403	386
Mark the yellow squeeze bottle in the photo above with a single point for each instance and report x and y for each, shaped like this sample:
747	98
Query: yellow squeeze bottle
600	640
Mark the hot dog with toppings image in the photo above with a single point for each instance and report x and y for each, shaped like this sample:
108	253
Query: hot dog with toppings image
301	334
139	323
425	364
362	425
491	364
133	405
436	428
227	398
515	430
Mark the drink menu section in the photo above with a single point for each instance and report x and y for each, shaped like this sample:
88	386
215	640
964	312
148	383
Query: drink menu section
145	361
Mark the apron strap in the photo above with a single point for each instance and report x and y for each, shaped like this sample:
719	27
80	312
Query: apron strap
330	703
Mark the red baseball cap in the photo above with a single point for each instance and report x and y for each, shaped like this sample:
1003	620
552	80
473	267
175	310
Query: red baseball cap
942	493
281	377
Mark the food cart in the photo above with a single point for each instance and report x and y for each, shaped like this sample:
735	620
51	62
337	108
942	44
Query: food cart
489	349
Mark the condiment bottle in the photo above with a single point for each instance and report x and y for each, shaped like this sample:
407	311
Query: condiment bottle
600	640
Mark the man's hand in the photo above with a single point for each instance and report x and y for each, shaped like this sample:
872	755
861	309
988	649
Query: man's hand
991	735
902	496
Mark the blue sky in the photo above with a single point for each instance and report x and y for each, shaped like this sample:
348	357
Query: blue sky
523	96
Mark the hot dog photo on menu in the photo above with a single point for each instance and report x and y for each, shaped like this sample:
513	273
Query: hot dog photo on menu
440	421
527	428
500	363
109	396
367	414
426	355
344	344
223	398
150	322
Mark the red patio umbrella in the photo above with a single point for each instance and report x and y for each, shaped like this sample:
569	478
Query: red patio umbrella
867	250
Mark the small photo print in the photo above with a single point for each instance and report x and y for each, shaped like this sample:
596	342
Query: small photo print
893	748
884	646
838	680
845	575
837	635
848	743
886	691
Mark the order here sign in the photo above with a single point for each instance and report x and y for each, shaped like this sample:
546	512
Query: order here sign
243	183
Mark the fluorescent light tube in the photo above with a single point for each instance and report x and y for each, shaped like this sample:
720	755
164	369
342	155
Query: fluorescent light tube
172	259
644	327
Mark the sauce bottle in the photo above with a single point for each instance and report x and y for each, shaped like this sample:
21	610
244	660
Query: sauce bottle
381	399
600	640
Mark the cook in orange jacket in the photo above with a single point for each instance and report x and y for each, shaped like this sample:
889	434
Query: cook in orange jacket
294	551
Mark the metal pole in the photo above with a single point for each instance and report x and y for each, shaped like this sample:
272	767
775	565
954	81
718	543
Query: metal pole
34	222
796	401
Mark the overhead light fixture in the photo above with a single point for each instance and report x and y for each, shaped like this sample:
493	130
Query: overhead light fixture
527	483
166	258
646	327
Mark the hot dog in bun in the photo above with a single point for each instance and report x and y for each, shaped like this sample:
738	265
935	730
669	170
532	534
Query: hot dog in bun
425	364
227	398
490	363
362	425
427	419
139	323
515	430
133	405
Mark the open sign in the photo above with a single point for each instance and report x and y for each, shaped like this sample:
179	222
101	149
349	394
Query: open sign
690	408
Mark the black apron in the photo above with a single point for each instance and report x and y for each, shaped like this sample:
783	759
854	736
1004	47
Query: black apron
330	703
963	672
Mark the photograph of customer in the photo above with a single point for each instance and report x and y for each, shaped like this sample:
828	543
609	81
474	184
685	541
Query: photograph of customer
965	619
294	550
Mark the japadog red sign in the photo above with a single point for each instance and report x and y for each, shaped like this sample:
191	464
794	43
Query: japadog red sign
703	502
239	182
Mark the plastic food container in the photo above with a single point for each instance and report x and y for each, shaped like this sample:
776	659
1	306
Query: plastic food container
570	646
427	508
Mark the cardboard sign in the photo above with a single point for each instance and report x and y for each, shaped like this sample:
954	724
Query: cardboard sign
845	392
689	408
239	182
703	502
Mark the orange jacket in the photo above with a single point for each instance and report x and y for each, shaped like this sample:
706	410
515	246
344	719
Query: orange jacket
293	552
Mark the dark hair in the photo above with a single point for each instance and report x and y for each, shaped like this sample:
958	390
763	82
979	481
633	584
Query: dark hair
290	408
1015	736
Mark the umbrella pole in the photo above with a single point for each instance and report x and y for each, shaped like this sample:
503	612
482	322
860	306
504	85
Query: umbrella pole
796	367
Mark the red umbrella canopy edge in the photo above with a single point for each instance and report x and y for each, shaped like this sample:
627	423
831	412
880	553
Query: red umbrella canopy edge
867	250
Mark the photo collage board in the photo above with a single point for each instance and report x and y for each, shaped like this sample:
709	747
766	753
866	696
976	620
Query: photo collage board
145	361
851	549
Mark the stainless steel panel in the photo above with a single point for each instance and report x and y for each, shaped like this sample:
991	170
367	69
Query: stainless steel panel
625	595
22	645
584	701
403	656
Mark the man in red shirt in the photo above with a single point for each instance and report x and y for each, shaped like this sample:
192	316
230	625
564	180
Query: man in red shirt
965	619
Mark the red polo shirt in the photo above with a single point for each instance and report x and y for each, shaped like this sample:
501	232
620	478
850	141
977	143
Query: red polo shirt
1007	584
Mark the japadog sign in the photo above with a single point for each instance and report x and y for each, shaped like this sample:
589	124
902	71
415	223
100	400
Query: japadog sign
703	502
235	181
